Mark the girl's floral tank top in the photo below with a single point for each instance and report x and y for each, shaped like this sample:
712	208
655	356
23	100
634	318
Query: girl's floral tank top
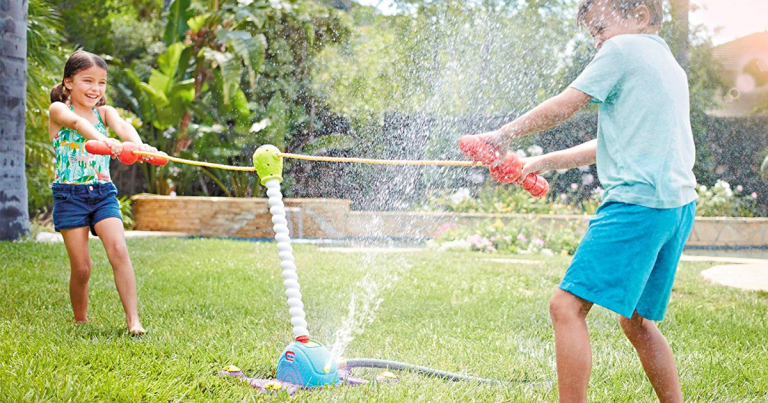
76	166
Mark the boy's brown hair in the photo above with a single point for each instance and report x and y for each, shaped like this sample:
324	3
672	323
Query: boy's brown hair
625	7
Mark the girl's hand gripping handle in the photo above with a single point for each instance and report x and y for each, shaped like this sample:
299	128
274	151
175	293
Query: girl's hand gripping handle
127	156
507	171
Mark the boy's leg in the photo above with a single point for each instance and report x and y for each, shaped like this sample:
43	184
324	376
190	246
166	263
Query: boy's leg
76	242
655	355
110	231
572	349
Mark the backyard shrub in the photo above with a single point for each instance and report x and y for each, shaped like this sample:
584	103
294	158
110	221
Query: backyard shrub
516	236
723	201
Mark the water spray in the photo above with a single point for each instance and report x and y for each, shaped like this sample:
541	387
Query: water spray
306	363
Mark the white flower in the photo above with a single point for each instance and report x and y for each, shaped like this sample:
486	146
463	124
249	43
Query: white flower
535	150
722	184
562	171
584	168
702	188
460	195
476	178
459	244
521	153
587	179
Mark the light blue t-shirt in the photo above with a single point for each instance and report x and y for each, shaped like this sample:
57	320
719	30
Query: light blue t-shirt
645	149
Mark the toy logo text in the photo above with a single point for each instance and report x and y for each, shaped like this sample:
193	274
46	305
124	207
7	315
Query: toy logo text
289	355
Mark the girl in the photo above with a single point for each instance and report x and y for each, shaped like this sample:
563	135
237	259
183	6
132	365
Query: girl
83	193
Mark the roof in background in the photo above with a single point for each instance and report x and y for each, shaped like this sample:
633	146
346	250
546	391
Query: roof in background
736	54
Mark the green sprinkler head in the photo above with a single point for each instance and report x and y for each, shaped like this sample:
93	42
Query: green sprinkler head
268	164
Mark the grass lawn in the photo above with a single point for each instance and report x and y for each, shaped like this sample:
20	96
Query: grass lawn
211	303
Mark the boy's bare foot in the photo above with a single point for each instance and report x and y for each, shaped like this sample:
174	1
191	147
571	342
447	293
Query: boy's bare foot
134	327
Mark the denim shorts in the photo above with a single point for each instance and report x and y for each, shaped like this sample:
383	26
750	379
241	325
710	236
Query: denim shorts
77	206
628	258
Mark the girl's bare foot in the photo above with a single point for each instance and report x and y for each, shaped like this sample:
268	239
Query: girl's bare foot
134	327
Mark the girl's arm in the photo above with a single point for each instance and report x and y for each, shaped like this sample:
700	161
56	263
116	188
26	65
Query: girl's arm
548	114
581	155
123	129
61	116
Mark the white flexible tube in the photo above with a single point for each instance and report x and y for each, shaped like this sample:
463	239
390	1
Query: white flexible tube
291	278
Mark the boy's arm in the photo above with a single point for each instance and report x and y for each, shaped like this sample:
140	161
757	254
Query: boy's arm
62	116
548	114
581	155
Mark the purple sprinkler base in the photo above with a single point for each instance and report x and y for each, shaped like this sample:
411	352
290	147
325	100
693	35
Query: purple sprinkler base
276	386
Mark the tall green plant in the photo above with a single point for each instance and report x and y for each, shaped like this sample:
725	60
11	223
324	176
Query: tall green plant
219	89
45	61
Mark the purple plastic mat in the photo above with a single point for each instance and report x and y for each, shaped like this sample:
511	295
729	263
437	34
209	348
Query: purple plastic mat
276	386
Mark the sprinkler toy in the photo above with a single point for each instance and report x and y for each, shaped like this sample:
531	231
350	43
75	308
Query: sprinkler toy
507	171
306	363
127	156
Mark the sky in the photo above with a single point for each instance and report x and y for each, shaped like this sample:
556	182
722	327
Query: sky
737	18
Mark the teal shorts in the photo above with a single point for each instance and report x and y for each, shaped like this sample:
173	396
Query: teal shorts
628	258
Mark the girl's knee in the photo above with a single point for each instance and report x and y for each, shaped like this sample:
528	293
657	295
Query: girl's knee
81	271
116	250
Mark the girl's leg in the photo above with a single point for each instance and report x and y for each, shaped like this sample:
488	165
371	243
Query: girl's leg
572	349
76	242
110	231
655	355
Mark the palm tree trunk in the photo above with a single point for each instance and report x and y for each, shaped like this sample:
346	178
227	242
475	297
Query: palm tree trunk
14	213
680	9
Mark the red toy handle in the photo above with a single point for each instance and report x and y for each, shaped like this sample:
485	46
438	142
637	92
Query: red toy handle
508	171
127	156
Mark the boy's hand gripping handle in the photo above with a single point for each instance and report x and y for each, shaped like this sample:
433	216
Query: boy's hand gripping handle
127	156
507	171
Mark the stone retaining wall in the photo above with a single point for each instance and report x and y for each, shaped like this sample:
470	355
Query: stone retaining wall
332	219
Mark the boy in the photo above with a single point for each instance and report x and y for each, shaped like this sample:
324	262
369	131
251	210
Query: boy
645	155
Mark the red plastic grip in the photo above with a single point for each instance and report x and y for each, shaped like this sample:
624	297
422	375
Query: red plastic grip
476	149
98	147
127	156
508	171
535	185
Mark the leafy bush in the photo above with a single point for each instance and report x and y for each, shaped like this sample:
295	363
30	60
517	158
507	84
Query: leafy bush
517	236
722	201
126	211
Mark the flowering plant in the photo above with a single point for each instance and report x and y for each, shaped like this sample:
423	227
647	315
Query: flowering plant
723	201
516	236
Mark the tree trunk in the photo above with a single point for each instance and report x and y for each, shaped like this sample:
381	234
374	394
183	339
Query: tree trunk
680	9
14	213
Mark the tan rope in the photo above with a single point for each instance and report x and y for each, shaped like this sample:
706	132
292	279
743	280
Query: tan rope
315	158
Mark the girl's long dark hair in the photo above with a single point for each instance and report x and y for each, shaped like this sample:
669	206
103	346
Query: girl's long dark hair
80	60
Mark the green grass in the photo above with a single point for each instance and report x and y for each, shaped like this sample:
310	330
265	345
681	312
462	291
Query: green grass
211	303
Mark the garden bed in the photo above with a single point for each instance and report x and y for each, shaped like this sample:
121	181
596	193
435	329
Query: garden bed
333	219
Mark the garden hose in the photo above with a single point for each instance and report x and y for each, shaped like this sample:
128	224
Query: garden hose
430	372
